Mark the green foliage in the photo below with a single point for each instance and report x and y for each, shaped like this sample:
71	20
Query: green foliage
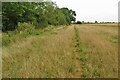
82	56
23	30
79	22
5	40
8	38
22	18
69	15
72	68
25	27
96	22
39	14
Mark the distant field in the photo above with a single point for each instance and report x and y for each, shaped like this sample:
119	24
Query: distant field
75	51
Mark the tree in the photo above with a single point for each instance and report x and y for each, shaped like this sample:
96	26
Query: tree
79	22
69	14
83	22
40	14
96	22
16	12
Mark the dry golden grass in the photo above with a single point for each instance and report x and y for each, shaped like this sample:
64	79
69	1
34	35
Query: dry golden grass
44	56
103	54
54	55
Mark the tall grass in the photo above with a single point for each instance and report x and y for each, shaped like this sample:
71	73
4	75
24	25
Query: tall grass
102	53
22	31
61	52
47	56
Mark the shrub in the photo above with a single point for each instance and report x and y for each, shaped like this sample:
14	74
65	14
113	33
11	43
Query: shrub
96	22
78	22
23	30
25	27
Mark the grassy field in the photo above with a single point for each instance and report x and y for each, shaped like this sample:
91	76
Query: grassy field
75	51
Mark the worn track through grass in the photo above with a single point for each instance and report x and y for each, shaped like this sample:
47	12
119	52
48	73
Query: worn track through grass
103	54
81	56
44	56
72	52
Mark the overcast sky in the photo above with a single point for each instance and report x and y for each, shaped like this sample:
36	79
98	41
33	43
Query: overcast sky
91	10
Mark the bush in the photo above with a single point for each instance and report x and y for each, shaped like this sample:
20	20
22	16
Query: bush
23	30
78	22
96	22
25	27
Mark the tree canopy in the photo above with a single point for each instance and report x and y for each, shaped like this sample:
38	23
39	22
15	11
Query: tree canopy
39	14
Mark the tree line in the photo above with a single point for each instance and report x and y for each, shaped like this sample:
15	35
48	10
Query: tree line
40	14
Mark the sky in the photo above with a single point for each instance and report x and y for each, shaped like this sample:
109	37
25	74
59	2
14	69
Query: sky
92	10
